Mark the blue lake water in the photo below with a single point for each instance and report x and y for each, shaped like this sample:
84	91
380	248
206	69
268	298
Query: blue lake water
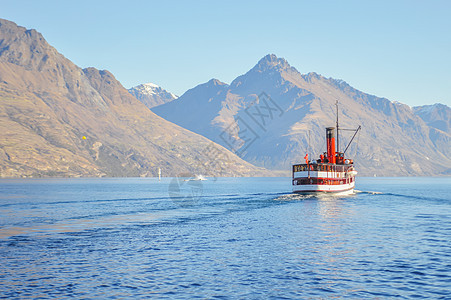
223	238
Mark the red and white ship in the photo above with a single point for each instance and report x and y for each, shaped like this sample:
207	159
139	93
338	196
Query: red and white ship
331	173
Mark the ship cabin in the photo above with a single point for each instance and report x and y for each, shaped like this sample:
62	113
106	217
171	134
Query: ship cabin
318	172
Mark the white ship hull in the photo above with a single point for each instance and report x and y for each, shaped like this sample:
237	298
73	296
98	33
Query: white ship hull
339	190
331	179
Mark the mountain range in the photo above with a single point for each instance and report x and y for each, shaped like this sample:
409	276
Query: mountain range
58	119
61	120
273	115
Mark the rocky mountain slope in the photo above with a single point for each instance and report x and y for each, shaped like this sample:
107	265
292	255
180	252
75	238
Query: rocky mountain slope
268	115
60	120
151	95
437	116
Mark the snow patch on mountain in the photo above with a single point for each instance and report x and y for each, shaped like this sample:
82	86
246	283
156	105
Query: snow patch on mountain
151	95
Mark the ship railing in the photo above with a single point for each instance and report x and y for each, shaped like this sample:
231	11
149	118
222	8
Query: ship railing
322	167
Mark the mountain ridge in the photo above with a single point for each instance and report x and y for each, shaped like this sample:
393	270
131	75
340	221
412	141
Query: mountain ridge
307	102
61	120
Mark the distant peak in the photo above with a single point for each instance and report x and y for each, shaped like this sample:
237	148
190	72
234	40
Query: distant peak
18	32
150	89
146	87
431	107
271	60
437	105
150	84
10	24
24	47
215	81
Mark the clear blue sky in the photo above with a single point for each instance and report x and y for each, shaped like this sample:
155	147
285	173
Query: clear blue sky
396	49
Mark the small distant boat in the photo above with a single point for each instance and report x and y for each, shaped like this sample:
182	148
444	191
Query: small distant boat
196	178
331	173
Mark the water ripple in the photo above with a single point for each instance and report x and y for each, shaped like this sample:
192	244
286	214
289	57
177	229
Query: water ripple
241	238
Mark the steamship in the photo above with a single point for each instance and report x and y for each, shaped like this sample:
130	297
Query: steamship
331	173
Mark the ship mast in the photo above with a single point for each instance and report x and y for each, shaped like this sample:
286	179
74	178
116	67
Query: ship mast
355	133
338	141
